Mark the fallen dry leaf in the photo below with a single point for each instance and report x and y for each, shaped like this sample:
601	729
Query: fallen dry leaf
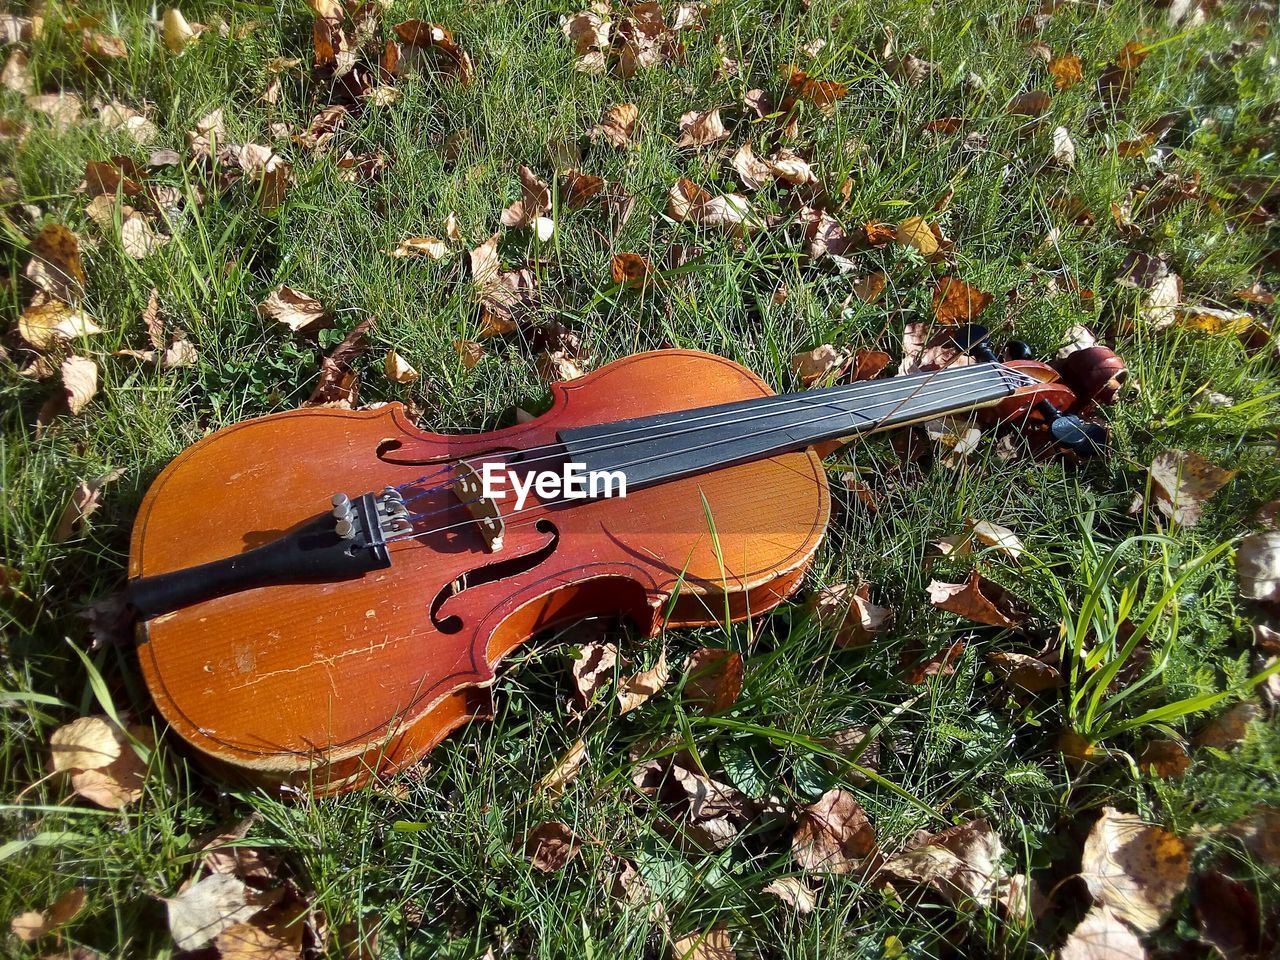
32	925
631	270
80	382
433	248
85	499
1066	71
793	892
206	908
1064	148
701	128
103	46
971	601
300	312
849	611
1229	916
955	439
713	944
753	173
821	363
1166	759
1024	672
915	232
85	744
868	288
1258	567
713	679
63	108
957	301
535	200
175	31
686	201
469	352
55	266
638	688
116	116
1101	936
1135	869
399	369
550	846
593	669
588	31
51	323
1212	320
616	125
1182	482
1229	728
16	74
339	382
918	671
1033	103
566	769
962	863
100	761
998	538
833	834
823	94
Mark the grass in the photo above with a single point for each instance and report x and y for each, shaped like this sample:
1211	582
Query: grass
432	864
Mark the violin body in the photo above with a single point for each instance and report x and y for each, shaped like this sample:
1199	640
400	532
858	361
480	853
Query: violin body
322	685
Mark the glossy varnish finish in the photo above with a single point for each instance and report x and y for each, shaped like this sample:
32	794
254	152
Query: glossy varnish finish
327	683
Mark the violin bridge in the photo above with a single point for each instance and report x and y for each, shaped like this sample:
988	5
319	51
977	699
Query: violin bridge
469	490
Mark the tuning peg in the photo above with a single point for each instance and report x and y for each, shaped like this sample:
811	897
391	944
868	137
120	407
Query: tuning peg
1018	350
1078	436
972	339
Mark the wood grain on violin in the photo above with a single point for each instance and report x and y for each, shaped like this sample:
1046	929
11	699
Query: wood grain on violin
292	642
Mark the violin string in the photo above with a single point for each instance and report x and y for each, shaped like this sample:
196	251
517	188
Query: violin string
760	410
415	535
912	388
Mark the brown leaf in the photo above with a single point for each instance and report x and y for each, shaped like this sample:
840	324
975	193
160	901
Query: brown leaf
102	764
339	383
1135	869
956	301
85	743
103	46
823	94
556	366
962	863
638	688
451	61
322	129
1230	728
1131	55
969	600
939	664
55	265
849	611
714	679
175	31
821	363
1229	916
631	270
51	323
922	352
16	75
1258	567
686	201
869	364
1182	481
566	769
399	369
753	173
833	834
1033	103
300	312
616	125
701	128
1024	672
1165	759
1101	936
203	910
550	846
535	200
433	248
793	892
1001	539
1066	71
868	288
713	944
684	197
63	108
80	382
85	499
469	352
1212	320
579	188
593	669
915	232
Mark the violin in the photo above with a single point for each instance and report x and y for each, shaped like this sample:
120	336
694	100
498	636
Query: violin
323	595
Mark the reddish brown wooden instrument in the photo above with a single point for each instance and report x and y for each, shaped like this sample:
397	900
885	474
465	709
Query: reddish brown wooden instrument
325	683
328	684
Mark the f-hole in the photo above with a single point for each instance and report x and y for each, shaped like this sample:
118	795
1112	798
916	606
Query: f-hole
490	573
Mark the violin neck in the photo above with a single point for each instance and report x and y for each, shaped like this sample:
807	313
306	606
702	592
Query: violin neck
650	450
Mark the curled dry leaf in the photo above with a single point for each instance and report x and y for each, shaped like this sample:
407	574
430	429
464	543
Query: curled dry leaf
957	301
299	312
753	173
975	599
55	266
550	846
85	499
868	288
793	892
79	382
1229	916
955	439
1258	566
1182	482
99	760
103	46
339	382
63	108
433	248
639	687
916	232
1230	728
1000	539
175	31
1033	103
51	323
730	212
833	834
1066	71
203	910
593	669
117	116
398	368
588	31
823	94
535	200
1064	148
939	664
578	188
1135	869
701	128
566	769
962	863
849	611
616	125
821	363
1101	936
32	925
1166	759
713	944
1024	672
714	679
631	270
